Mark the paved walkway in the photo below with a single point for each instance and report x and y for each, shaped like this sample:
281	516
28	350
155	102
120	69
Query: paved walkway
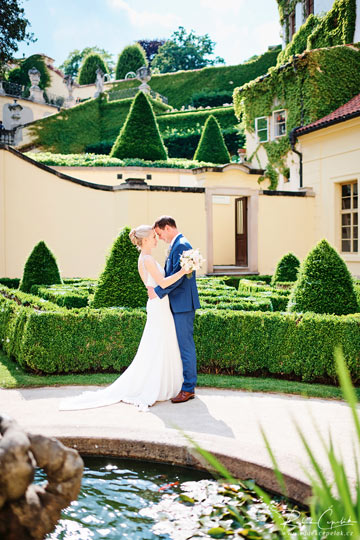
225	422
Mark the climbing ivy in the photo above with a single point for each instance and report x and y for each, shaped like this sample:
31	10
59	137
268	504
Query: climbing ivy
336	27
309	87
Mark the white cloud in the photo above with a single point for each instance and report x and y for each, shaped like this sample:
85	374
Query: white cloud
143	19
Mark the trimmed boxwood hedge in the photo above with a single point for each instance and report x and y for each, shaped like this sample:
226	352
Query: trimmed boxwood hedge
62	295
56	340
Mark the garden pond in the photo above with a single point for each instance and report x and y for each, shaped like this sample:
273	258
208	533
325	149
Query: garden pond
144	500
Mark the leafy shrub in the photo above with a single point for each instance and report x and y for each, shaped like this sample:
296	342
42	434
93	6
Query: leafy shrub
131	58
324	284
212	143
140	137
120	283
40	268
287	269
87	73
214	98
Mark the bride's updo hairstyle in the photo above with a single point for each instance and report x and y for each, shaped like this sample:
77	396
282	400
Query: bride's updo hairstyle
137	235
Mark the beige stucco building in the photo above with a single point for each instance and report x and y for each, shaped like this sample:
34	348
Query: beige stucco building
221	210
330	154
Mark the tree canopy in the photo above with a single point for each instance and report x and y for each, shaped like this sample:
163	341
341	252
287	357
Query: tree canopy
185	51
151	47
13	29
71	64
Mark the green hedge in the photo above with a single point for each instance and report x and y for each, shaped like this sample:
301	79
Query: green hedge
184	120
12	283
236	342
213	98
62	295
180	144
179	87
249	286
71	130
236	304
95	160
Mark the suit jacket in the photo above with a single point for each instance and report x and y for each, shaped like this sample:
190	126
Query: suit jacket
183	294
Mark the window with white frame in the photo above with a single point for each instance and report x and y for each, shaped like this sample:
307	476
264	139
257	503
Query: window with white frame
279	118
349	218
262	128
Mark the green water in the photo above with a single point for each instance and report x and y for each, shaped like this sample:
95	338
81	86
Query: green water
113	491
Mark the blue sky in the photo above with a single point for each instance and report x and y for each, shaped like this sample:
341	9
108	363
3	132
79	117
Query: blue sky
240	28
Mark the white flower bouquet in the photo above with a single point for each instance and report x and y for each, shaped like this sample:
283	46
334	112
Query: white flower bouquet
191	260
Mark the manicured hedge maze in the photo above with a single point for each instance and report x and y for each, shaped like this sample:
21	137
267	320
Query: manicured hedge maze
237	331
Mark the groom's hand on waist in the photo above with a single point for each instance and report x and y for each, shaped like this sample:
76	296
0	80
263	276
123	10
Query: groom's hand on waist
151	293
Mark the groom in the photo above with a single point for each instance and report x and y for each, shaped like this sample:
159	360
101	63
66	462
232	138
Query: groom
184	300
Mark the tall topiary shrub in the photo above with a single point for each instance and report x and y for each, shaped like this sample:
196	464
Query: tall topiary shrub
140	136
131	58
212	146
324	284
87	74
287	269
40	268
120	283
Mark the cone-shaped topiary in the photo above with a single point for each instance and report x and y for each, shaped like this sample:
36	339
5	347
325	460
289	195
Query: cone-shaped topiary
287	269
120	283
140	136
324	284
87	74
131	58
212	147
40	268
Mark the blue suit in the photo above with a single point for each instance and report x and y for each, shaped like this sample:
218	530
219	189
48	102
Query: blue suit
184	300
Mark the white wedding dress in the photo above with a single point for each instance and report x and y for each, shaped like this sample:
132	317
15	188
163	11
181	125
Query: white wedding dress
155	374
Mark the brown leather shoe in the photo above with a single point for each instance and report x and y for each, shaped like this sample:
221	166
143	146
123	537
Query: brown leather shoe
183	396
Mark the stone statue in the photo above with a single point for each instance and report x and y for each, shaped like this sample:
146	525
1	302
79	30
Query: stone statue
29	511
36	94
70	83
144	75
99	82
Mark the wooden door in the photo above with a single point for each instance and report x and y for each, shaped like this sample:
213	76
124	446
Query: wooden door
241	231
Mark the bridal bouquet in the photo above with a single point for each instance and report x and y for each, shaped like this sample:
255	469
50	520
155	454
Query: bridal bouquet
191	260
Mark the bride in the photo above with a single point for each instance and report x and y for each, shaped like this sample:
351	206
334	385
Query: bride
156	373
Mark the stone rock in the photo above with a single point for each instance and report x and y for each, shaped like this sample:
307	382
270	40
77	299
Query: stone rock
29	511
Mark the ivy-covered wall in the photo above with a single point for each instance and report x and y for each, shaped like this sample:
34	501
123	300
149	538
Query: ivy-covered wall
309	87
336	27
